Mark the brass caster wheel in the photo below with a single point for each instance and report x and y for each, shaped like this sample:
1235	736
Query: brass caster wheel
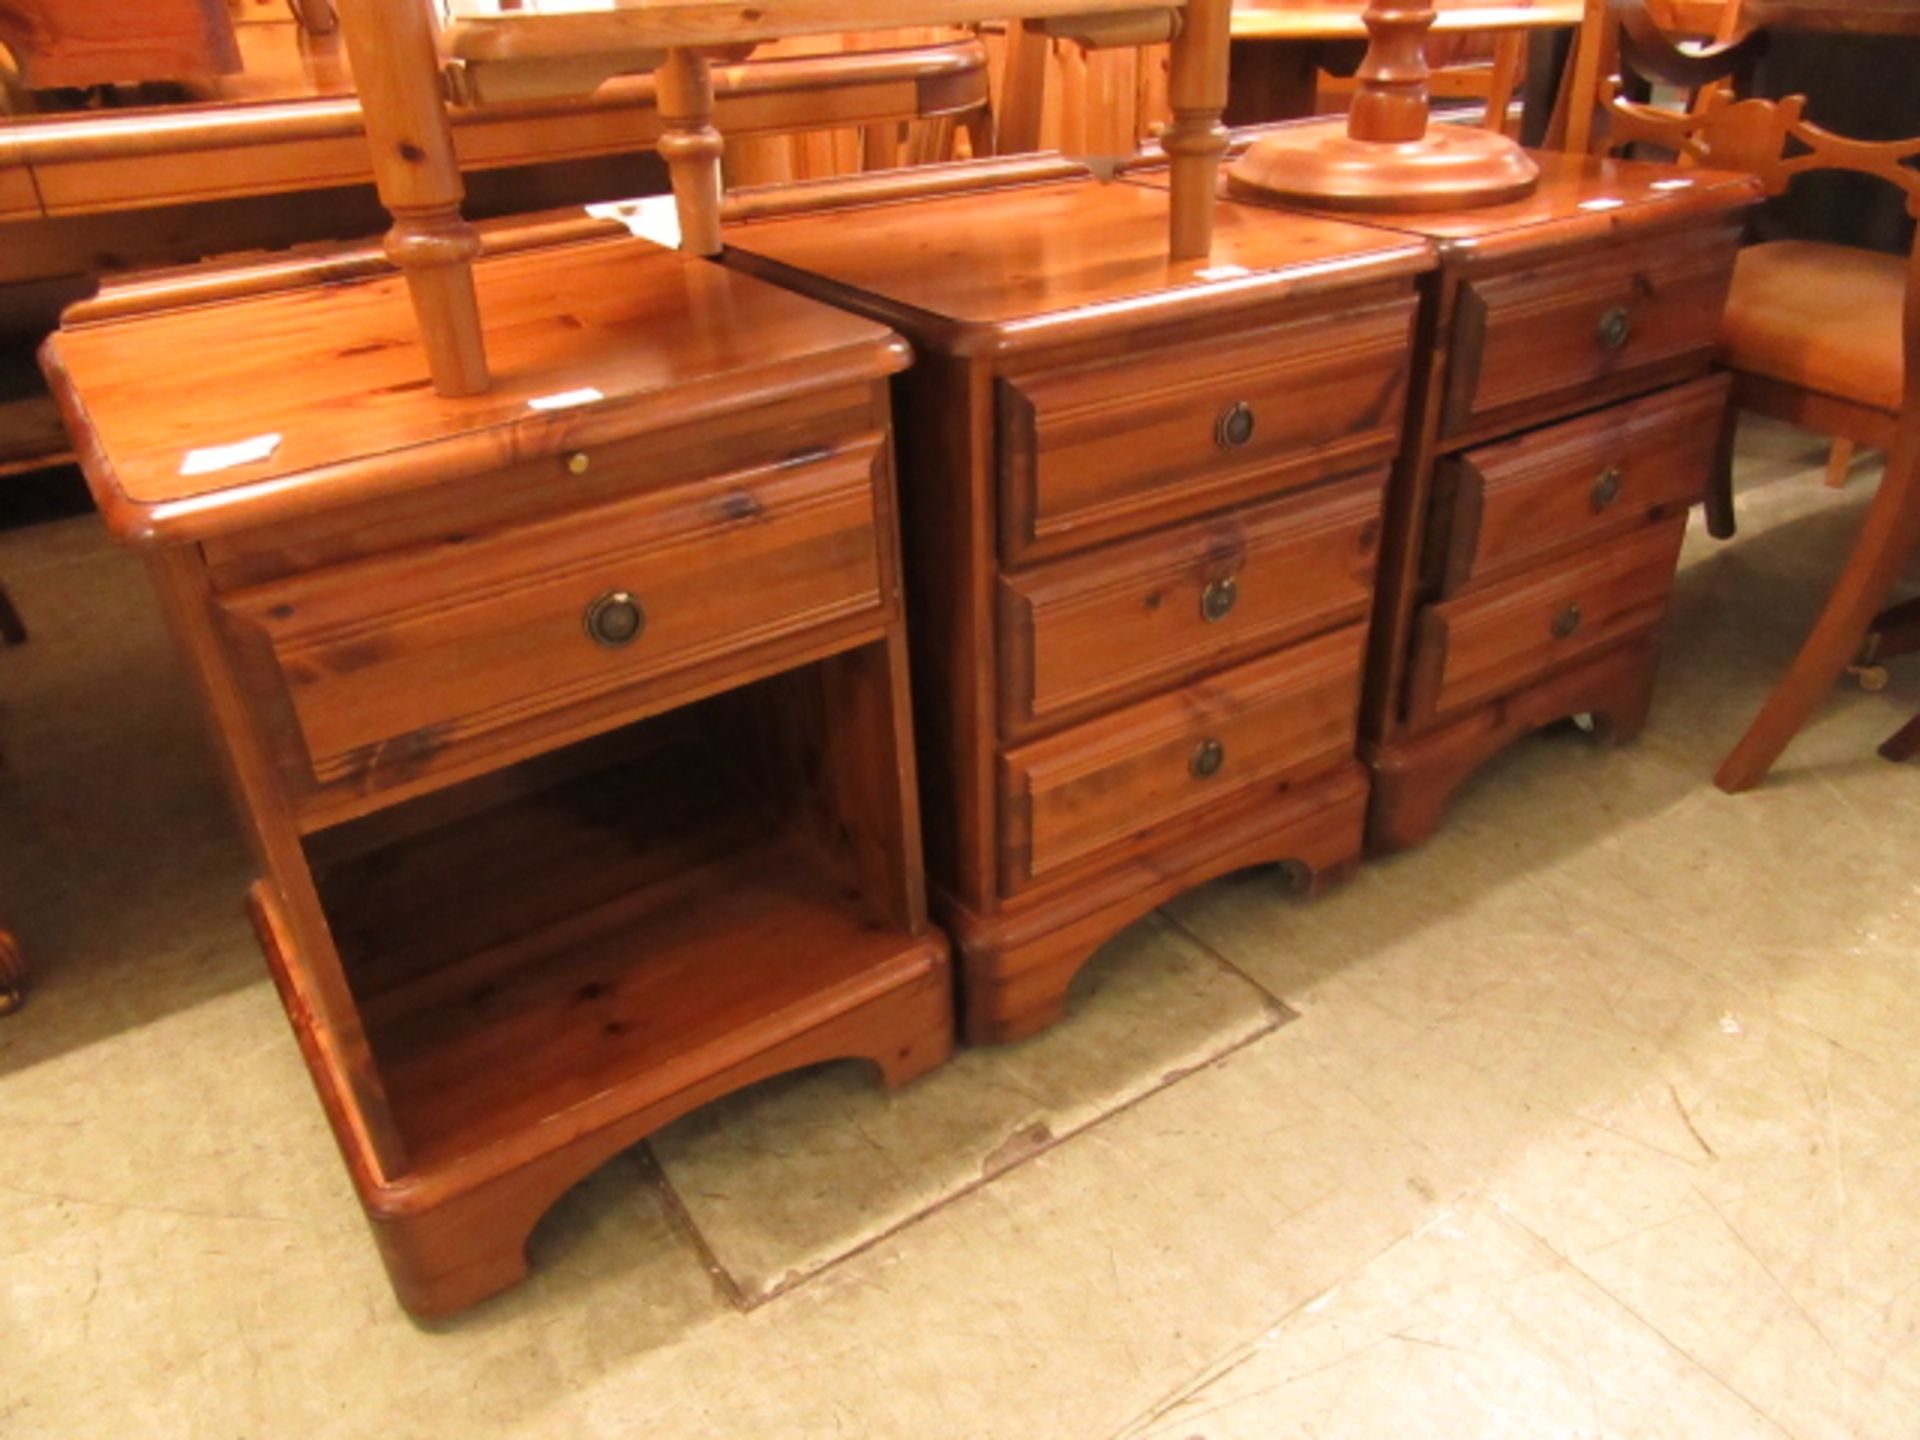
1870	678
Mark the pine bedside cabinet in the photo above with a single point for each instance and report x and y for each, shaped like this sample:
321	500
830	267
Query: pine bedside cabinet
1142	512
568	721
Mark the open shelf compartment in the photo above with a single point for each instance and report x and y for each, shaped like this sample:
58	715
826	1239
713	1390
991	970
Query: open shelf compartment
546	950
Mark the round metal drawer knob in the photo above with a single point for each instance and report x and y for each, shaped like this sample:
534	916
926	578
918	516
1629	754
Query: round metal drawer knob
1566	622
1208	757
579	462
1614	328
1606	488
1234	428
1218	599
615	619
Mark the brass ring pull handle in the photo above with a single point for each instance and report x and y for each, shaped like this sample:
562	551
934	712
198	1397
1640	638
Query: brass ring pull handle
1566	622
1614	328
615	619
1208	757
1234	428
1218	599
1606	489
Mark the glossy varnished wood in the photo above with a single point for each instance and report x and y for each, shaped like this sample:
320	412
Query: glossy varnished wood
1518	503
1046	265
531	889
1133	617
1142	506
1492	530
356	423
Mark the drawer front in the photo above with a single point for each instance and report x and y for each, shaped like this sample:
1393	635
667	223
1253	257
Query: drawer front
1476	647
1102	450
416	651
1101	786
1138	616
1501	508
1547	334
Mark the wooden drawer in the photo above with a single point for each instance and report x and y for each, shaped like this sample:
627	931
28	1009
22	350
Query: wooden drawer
1144	614
1550	333
413	652
1499	509
1096	451
1102	786
1482	644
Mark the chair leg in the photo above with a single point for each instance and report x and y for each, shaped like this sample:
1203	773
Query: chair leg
1904	745
1839	463
1719	497
1897	631
13	974
13	630
1888	537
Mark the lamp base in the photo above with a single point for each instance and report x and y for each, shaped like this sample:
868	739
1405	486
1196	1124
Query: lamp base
1451	167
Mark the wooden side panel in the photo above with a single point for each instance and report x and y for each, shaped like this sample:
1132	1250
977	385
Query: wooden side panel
1100	787
81	43
1093	451
1129	618
424	648
1473	648
1507	506
1544	332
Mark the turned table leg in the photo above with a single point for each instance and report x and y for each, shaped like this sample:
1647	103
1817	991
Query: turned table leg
396	69
692	147
1195	140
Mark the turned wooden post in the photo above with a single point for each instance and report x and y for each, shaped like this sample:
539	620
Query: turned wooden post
1391	104
396	70
1195	140
1385	156
692	147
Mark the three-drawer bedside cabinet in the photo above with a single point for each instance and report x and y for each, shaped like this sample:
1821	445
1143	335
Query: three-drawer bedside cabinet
1563	419
1564	422
1142	518
569	722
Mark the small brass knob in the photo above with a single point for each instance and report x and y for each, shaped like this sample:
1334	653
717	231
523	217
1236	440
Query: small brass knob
579	462
1606	489
1208	757
1566	622
1218	599
1234	428
1614	328
615	619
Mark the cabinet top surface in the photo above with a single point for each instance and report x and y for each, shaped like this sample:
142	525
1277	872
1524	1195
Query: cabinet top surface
1580	197
1580	192
1004	269
194	421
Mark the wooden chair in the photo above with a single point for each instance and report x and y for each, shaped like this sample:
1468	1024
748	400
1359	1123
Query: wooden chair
952	100
1824	336
410	56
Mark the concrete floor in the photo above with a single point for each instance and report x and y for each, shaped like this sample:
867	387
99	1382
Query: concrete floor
1594	1117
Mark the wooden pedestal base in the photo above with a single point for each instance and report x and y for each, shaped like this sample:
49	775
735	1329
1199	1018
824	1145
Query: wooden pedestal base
1451	167
1015	967
1415	779
454	1231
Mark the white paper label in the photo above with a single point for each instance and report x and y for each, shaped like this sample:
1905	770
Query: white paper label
654	218
566	399
210	458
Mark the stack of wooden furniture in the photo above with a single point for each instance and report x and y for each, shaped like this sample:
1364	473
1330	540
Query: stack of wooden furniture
567	698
